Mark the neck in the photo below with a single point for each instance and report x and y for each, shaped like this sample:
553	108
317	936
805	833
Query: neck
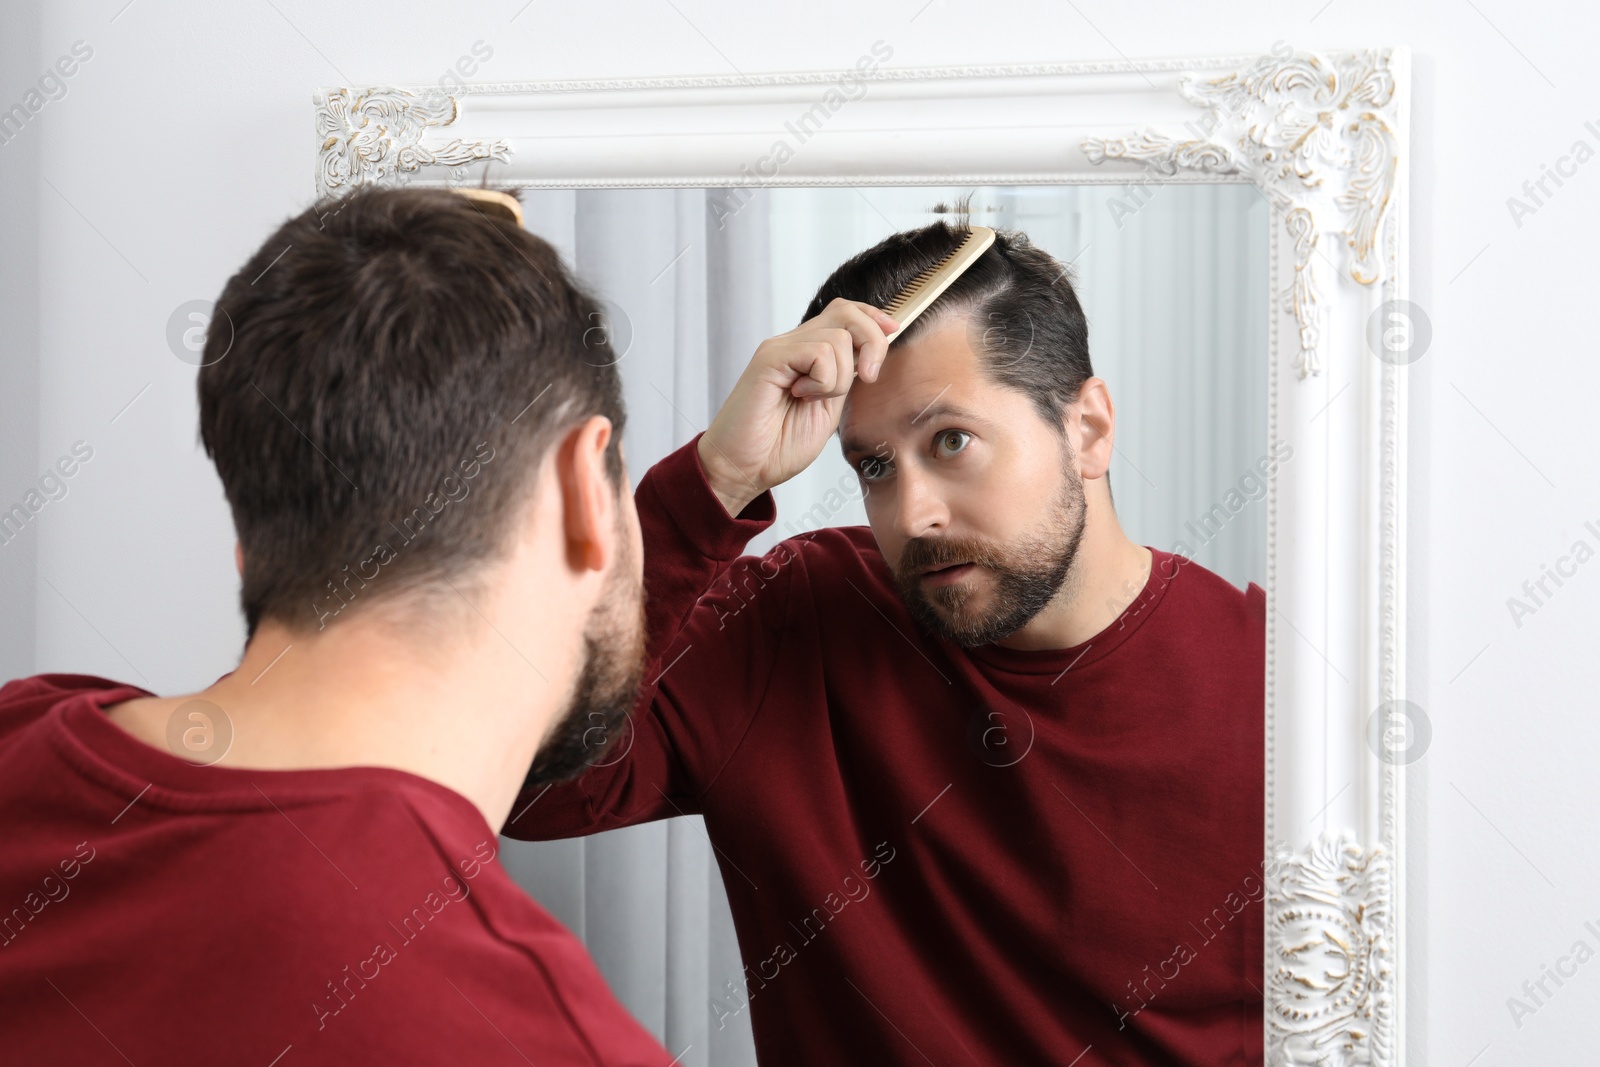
464	709
1108	573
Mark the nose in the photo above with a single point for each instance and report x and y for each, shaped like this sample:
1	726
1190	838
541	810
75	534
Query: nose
920	507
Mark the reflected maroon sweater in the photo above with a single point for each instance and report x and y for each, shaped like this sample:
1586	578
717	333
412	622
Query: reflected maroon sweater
945	855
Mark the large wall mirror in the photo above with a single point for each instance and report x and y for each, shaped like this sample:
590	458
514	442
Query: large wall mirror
1236	230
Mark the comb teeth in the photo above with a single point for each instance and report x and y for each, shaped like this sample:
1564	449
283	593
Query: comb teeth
923	289
922	276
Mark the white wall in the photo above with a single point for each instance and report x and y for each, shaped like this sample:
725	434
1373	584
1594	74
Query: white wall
188	135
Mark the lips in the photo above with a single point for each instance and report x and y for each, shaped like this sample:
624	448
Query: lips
937	567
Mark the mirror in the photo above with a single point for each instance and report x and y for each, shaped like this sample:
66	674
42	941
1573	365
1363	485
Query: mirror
1174	287
1316	144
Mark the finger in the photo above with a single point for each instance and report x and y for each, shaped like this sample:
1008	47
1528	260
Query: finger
868	328
817	360
889	323
843	343
839	361
840	310
875	312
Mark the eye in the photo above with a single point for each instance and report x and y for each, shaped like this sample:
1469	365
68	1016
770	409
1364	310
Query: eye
948	435
872	469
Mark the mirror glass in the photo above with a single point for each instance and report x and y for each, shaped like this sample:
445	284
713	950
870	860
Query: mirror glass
1174	282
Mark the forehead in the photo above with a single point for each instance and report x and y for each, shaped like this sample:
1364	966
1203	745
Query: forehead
934	374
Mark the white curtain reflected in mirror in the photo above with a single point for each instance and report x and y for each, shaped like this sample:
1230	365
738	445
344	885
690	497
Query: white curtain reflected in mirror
1174	282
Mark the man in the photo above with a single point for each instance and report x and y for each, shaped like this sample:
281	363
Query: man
441	580
985	779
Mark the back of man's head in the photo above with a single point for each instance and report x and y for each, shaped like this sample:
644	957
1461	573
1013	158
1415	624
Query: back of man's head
383	360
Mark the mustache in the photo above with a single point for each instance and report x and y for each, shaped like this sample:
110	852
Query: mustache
922	552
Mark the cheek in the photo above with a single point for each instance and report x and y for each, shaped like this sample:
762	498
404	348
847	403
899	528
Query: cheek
980	498
1016	478
876	498
1001	511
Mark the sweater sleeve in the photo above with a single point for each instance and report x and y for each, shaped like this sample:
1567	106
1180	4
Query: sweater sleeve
714	618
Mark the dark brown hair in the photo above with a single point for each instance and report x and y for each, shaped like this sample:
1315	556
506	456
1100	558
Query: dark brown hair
381	382
1024	319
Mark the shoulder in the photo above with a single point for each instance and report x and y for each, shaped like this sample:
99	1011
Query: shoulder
834	550
810	563
47	690
811	575
1199	591
24	701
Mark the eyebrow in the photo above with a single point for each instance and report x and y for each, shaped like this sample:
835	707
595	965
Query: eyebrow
944	409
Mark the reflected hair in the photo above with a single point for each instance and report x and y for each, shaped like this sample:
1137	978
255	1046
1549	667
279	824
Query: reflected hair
1023	315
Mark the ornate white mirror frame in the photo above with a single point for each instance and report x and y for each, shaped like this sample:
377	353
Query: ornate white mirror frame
1324	137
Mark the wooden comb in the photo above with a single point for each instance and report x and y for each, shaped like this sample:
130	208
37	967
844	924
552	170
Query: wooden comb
493	202
920	293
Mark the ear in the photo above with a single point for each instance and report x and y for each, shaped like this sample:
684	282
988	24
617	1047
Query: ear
1092	421
238	557
588	498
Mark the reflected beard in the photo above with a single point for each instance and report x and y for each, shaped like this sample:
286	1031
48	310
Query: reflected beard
592	721
1026	577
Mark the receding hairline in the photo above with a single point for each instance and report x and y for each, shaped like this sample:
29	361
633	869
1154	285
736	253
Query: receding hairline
939	316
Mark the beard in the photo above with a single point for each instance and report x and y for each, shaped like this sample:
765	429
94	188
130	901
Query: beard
1025	576
592	721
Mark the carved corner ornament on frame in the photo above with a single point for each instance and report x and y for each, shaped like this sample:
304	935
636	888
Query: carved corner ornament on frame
375	136
1313	133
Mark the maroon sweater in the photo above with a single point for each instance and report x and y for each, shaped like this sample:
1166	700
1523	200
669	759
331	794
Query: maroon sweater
155	911
945	855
